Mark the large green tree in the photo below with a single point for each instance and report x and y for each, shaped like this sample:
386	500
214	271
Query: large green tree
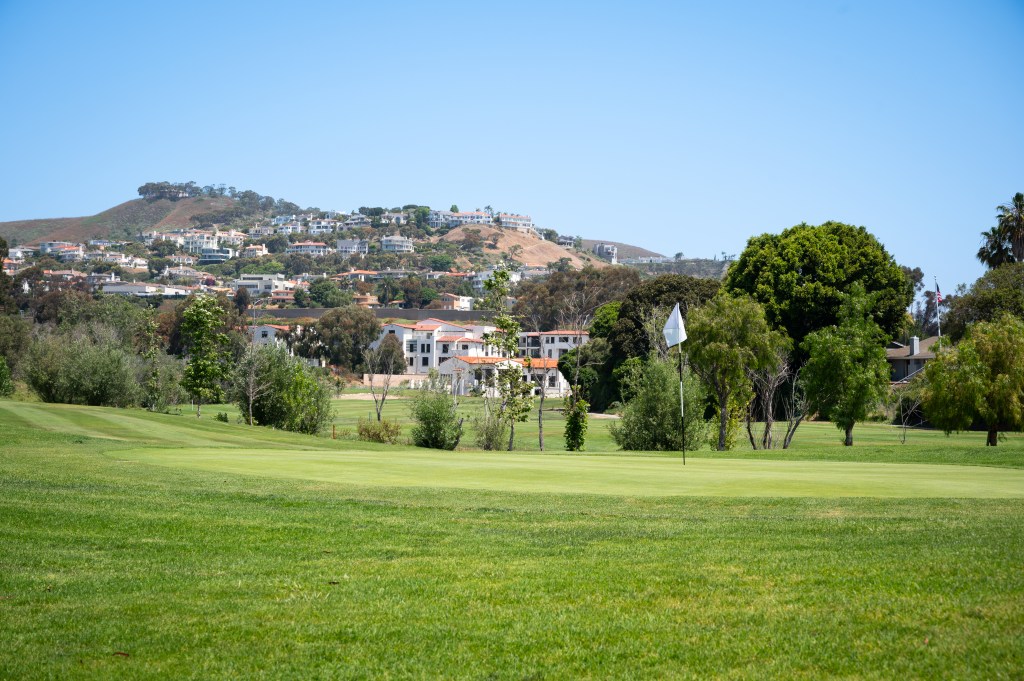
544	303
1010	220
729	338
205	350
846	373
981	378
341	335
801	275
998	291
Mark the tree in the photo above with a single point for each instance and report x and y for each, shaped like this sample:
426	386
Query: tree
204	349
998	291
981	378
341	334
847	373
291	396
326	293
383	362
1010	220
242	299
514	391
801	275
541	303
435	410
454	208
630	337
729	339
6	385
995	250
251	379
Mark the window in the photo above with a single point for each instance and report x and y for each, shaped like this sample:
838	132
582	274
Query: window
425	347
549	354
425	361
552	381
444	349
412	347
391	331
465	346
264	334
411	361
563	339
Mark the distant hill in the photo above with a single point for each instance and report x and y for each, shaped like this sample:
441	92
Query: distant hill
120	222
536	252
625	250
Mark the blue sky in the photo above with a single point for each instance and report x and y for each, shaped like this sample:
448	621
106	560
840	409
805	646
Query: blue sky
674	126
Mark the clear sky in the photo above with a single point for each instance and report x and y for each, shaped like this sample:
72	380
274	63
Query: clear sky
677	126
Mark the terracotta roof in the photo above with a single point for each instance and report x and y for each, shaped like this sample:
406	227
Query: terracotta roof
543	363
486	360
564	332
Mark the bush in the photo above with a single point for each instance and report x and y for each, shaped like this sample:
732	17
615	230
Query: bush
575	423
6	384
491	431
384	431
651	420
87	366
438	425
221	416
283	391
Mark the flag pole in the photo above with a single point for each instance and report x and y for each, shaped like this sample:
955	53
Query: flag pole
682	411
938	299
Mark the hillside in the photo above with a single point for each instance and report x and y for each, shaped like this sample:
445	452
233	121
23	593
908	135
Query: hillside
625	250
120	222
535	252
694	267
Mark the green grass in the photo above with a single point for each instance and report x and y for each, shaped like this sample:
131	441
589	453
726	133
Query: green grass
115	541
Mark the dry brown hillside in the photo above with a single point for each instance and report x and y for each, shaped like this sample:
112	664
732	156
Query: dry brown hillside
120	222
536	252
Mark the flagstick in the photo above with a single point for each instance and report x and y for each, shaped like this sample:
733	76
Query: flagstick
682	411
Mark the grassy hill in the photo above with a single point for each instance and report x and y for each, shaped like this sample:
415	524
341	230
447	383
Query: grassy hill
120	222
625	250
142	545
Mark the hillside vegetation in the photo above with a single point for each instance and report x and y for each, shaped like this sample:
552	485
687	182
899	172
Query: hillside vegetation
534	252
123	221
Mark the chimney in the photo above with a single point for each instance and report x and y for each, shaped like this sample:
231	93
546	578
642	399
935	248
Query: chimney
915	345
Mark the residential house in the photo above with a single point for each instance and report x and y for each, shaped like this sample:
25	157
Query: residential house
468	374
393	218
609	252
196	241
451	301
215	256
290	228
428	343
550	344
520	223
182	260
546	377
47	247
441	218
254	251
367	300
142	290
263	335
351	247
231	237
261	284
310	248
480	277
260	231
566	240
355	275
396	244
905	361
472	217
356	220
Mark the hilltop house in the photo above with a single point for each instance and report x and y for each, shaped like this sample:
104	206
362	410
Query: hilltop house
396	244
907	360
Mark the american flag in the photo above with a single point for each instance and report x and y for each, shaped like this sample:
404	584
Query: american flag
938	294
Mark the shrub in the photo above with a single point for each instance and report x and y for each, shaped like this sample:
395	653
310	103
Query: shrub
384	431
84	367
221	416
6	384
438	424
282	391
575	423
491	432
651	420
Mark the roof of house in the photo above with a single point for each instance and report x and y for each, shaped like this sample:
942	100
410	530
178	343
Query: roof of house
543	363
458	339
924	350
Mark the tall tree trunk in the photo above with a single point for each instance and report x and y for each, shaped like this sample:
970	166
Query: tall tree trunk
723	421
511	435
199	408
993	437
849	436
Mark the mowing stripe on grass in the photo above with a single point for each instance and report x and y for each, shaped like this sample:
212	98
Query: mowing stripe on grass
627	476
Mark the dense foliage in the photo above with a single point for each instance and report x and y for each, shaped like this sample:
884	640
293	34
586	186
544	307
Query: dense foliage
801	275
999	291
652	421
434	410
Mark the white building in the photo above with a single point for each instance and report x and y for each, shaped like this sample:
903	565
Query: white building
609	252
441	218
195	242
550	344
128	288
353	247
520	223
262	284
472	217
480	277
268	334
254	251
427	344
311	248
467	373
396	244
451	301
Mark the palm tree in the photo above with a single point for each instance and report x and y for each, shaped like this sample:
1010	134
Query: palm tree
995	248
1011	221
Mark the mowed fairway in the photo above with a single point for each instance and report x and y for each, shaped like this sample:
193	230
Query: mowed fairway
139	545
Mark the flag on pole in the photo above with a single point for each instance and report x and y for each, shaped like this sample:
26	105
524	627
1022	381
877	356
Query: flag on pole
938	293
675	332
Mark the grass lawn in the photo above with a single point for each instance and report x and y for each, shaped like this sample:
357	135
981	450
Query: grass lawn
141	545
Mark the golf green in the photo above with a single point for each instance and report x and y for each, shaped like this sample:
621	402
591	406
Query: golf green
625	475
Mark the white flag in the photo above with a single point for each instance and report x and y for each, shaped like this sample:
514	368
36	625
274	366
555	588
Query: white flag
675	332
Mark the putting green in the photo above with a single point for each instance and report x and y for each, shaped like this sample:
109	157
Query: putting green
626	476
